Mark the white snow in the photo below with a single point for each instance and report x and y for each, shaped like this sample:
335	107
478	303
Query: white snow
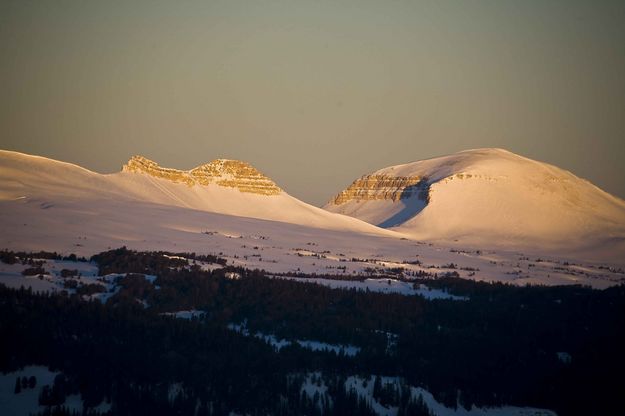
11	275
348	350
190	314
380	286
314	384
279	343
49	182
493	198
26	402
363	387
52	281
232	275
71	210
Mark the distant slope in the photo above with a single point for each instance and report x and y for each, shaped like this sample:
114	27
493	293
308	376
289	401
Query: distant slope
222	186
230	209
487	196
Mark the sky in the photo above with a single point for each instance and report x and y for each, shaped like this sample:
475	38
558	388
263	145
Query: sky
315	93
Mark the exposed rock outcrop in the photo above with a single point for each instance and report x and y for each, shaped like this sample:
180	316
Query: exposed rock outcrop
140	164
223	172
382	187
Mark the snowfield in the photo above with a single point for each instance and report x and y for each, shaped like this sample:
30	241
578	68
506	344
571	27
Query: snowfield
380	286
55	206
278	344
26	402
495	198
363	386
186	314
492	216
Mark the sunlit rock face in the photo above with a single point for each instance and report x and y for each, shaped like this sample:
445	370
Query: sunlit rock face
223	172
140	164
383	187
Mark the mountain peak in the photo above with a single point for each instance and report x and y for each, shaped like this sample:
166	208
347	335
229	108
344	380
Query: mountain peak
483	193
399	182
223	172
493	150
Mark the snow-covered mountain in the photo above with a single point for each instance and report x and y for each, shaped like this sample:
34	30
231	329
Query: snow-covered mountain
230	209
486	196
222	186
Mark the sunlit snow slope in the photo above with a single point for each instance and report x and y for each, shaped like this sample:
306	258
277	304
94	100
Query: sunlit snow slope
230	209
487	196
50	182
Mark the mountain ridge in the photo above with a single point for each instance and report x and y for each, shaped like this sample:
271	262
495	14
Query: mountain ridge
478	197
483	194
224	172
45	203
223	186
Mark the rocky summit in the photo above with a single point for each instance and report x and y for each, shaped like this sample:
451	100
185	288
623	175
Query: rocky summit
223	172
383	187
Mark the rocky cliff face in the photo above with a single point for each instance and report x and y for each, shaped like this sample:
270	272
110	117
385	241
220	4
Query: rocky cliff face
383	187
223	172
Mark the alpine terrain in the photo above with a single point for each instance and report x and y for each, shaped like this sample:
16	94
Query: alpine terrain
480	283
488	196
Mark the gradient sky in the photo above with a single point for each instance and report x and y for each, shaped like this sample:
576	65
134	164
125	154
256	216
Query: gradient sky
315	93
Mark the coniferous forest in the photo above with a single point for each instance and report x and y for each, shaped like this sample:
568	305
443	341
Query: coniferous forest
502	346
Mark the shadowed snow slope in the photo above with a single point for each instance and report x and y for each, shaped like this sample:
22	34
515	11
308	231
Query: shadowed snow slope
226	191
487	196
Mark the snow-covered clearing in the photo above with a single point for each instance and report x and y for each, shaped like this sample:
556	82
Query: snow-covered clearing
314	384
278	344
379	286
26	402
77	274
186	314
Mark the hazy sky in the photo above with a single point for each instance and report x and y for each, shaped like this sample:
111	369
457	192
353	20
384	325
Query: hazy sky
315	93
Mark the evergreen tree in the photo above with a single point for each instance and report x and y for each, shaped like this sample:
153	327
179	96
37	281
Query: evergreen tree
377	388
